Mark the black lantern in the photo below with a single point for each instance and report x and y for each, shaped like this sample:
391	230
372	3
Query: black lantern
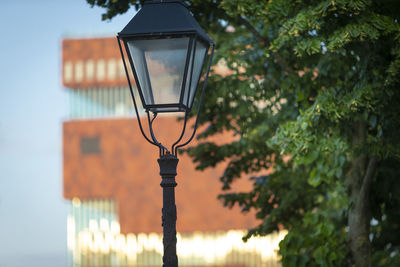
166	49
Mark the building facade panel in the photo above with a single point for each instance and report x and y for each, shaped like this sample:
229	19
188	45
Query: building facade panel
94	62
124	167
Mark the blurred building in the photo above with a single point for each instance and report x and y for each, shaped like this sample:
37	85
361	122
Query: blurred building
111	179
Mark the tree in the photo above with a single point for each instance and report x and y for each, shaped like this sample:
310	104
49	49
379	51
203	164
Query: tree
313	93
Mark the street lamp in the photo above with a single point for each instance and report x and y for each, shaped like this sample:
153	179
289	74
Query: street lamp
166	49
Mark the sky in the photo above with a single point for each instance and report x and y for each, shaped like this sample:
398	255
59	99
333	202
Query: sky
33	105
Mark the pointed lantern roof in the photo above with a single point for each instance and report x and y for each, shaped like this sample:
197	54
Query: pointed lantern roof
163	17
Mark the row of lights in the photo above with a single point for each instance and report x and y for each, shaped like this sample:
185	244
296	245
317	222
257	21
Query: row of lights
104	239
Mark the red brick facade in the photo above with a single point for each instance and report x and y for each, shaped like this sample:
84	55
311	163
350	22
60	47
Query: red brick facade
126	170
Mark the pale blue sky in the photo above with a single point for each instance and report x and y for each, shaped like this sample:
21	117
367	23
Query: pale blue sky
33	106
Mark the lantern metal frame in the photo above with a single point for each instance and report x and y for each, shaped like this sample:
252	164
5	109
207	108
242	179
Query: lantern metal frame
193	38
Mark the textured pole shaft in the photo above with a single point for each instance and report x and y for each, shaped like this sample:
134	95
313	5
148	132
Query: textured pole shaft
168	164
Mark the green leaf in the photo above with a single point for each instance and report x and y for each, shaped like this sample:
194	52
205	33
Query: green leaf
314	179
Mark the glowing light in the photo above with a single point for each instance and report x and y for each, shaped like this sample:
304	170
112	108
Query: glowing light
76	202
115	229
104	225
71	233
207	248
93	226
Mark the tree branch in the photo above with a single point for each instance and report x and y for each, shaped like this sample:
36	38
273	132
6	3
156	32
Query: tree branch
367	181
281	62
253	30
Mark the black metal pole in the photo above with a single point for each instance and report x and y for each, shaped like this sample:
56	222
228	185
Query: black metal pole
168	164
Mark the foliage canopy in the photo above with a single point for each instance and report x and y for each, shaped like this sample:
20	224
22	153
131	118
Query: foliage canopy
313	93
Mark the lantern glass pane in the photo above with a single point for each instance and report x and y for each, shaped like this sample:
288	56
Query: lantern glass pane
159	65
198	56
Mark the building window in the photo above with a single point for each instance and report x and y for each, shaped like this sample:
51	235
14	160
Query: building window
121	69
111	69
68	71
79	71
90	145
101	70
89	70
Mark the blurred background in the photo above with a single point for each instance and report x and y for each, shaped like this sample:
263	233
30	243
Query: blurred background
71	152
33	105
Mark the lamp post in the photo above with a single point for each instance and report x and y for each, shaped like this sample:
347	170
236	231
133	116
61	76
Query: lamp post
166	49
